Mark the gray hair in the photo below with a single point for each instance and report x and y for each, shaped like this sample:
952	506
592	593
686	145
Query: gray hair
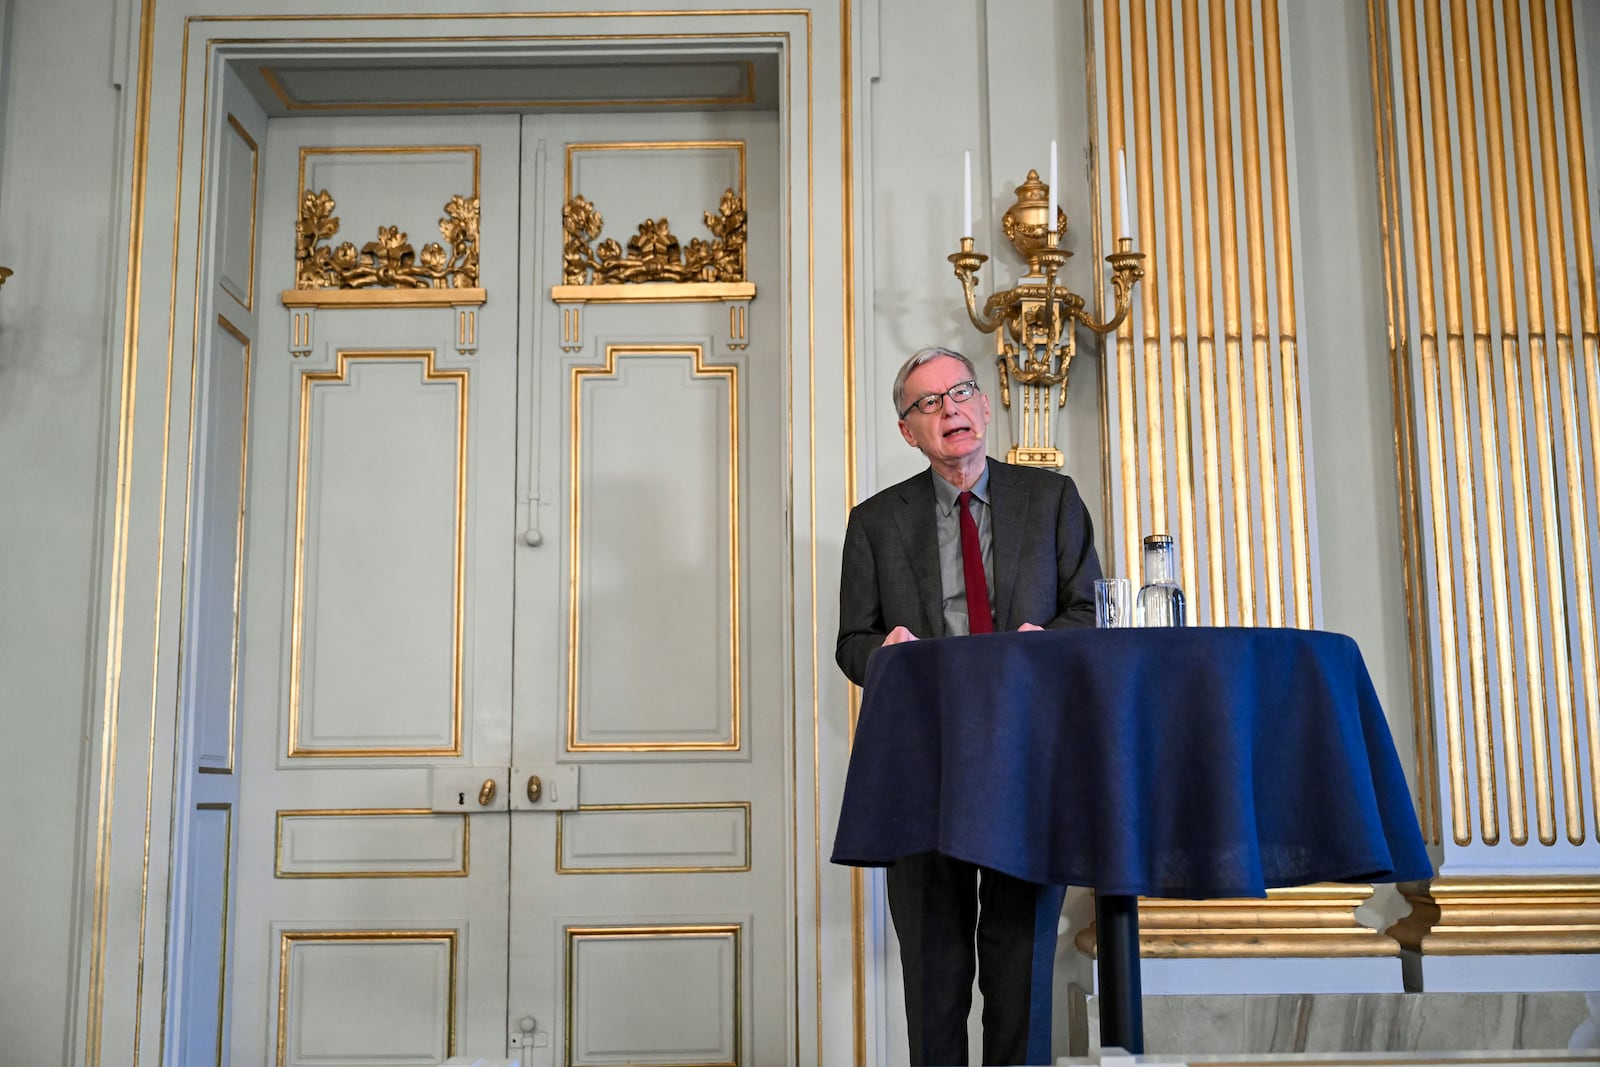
918	358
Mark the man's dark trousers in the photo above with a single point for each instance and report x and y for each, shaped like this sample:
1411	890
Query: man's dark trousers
936	903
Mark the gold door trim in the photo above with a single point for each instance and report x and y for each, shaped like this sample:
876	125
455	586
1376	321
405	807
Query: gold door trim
471	150
430	373
384	298
654	293
745	96
121	514
255	179
576	147
238	550
702	369
227	894
287	939
731	931
737	805
291	813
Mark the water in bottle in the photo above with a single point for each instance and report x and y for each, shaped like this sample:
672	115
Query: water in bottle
1161	598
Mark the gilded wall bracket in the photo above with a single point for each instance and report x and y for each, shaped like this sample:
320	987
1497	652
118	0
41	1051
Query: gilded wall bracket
1036	346
654	268
386	272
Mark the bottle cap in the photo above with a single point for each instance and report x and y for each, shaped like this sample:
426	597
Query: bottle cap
1158	539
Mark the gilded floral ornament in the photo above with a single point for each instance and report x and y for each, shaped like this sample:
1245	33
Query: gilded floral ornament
654	254
389	262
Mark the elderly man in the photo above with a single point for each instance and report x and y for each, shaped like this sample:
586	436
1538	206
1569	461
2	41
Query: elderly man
970	545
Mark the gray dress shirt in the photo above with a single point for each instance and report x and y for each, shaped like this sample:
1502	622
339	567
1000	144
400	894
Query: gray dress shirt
952	574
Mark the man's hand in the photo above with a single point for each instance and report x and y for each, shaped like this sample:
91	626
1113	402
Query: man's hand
899	635
1028	626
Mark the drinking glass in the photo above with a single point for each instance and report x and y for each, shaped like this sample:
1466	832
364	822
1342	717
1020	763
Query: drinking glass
1113	602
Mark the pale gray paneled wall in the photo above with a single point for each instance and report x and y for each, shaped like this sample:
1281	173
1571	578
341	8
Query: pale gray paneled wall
999	80
923	110
58	202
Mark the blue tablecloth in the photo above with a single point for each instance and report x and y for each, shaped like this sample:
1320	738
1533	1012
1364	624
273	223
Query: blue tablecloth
1196	762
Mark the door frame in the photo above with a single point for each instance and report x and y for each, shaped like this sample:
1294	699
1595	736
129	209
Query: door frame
135	827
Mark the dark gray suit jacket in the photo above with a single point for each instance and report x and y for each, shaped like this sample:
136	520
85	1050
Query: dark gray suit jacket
1044	561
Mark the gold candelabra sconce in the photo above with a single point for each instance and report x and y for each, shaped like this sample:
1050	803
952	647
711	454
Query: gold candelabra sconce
1039	316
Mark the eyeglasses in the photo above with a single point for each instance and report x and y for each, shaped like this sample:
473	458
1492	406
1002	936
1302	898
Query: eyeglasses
961	392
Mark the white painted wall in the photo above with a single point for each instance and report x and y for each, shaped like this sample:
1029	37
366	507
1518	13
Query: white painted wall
58	203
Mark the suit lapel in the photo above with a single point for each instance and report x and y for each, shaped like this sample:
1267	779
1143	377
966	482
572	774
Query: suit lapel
1008	507
915	520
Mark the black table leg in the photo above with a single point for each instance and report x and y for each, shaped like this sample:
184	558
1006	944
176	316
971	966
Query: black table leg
1117	945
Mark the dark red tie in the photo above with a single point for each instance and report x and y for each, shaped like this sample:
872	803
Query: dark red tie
980	620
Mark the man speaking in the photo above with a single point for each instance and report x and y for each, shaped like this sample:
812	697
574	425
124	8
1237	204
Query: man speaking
970	545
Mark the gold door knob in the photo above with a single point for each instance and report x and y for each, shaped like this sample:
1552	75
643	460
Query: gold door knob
535	788
486	794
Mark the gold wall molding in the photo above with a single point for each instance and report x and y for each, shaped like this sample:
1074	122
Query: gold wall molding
236	578
1534	915
1493	446
224	921
248	298
746	94
1203	378
1314	921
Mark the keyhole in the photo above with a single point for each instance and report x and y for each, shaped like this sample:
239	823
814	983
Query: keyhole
461	798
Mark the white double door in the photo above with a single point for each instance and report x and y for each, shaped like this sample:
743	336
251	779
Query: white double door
471	567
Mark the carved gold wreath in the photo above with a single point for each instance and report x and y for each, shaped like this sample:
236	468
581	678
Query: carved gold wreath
390	261
654	254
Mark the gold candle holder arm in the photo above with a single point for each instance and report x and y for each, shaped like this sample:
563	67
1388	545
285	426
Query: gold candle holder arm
5	272
967	262
1127	268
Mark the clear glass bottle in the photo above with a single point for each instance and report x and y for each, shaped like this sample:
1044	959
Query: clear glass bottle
1161	598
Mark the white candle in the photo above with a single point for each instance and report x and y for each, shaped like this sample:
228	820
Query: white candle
966	215
1122	186
1050	219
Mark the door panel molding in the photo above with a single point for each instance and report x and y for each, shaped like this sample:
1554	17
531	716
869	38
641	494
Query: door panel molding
353	636
704	838
646	640
679	987
381	960
404	842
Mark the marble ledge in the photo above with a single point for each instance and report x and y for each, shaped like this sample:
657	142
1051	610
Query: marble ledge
1345	1024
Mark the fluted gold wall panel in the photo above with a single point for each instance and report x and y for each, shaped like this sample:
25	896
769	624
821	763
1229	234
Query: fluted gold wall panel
1204	405
1491	285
